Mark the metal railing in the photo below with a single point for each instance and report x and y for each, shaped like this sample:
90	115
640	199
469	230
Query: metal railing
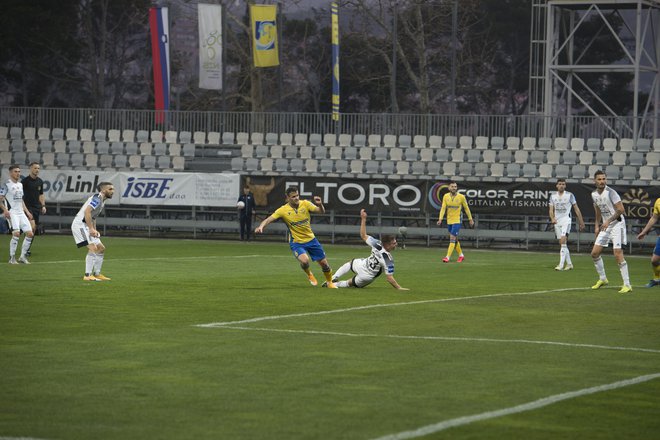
322	123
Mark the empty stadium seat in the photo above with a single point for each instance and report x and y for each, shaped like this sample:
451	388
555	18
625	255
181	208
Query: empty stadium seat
497	170
513	170
602	158
481	170
45	146
403	168
43	133
311	166
529	171
345	140
619	158
276	151
57	134
116	148
102	148
609	144
341	166
149	162
396	154
366	153
457	155
87	135
31	145
160	149
593	145
577	144
579	172
47	159
450	142
359	140
521	156
16	133
306	152
537	157
179	163
271	139
586	158
296	165
251	164
131	148
410	154
291	151
465	169
465	142
489	156
545	171
236	164
545	143
72	134
329	139
562	171
315	140
350	153
135	161
114	135
185	137
300	139
419	141
434	169
146	149
529	143
188	150
481	142
569	157
626	144
642	145
418	168
199	137
449	169
426	154
4	131
512	143
505	156
405	141
260	151
171	137
497	143
647	173
286	139
120	161
387	167
281	165
442	155
326	166
156	136
335	152
380	153
435	141
389	141
242	138
128	135
652	159
560	143
163	162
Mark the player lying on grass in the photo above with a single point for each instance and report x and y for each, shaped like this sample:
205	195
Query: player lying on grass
367	269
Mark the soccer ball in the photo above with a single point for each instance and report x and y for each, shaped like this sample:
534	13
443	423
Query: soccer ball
240	205
403	230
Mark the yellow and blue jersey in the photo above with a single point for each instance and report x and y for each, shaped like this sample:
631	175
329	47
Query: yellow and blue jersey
298	220
453	205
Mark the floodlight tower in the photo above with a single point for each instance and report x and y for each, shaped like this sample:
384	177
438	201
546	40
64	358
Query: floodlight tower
557	65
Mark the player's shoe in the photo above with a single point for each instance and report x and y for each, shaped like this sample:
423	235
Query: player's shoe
653	283
445	260
568	267
102	277
559	268
600	283
90	278
12	260
23	260
460	259
331	285
625	289
312	280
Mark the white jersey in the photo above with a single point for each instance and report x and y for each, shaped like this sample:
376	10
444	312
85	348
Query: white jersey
380	260
562	204
96	202
13	194
605	202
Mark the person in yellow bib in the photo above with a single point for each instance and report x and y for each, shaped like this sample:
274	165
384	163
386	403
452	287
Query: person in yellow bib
453	203
655	258
296	214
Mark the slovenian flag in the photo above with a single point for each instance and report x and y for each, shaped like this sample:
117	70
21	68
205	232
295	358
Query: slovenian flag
160	50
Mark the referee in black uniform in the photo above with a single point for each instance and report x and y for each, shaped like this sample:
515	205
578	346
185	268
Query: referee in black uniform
33	196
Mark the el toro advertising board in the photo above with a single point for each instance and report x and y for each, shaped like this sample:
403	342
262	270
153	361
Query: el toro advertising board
424	196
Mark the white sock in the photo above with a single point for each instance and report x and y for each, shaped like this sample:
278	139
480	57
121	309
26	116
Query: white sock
13	244
98	262
27	242
623	267
89	263
562	255
600	268
342	283
343	270
568	256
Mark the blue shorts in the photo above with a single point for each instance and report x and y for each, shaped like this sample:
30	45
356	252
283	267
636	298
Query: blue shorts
453	229
312	248
656	251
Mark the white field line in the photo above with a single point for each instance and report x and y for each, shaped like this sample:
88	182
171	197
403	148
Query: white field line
444	338
376	306
164	259
540	403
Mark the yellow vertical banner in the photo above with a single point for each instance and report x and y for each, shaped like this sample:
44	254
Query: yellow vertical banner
335	61
264	35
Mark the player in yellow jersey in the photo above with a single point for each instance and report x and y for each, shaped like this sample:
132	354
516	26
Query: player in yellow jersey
452	204
296	214
655	258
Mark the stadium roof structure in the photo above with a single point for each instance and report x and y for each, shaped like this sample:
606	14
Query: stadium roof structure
557	67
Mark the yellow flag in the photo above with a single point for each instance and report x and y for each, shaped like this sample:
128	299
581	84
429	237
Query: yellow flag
264	35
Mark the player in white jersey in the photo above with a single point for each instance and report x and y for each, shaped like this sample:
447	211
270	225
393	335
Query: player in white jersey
18	214
609	210
85	233
560	216
367	269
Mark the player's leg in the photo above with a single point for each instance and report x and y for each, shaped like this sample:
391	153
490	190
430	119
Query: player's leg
27	240
14	225
34	223
655	264
303	259
98	262
459	251
248	226
241	221
316	253
343	270
327	273
601	241
452	245
619	240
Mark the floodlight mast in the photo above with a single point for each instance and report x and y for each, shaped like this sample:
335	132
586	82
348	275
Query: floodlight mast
556	69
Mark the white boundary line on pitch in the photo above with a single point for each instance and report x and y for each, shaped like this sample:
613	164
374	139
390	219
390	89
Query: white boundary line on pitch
540	403
376	306
444	338
165	259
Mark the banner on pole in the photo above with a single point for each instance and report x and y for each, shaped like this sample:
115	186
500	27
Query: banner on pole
335	62
160	51
264	35
210	46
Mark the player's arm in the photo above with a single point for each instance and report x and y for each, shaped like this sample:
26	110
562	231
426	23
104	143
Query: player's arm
443	208
618	212
26	210
649	225
89	221
319	204
42	202
268	220
551	213
578	214
392	281
363	225
467	211
5	211
597	220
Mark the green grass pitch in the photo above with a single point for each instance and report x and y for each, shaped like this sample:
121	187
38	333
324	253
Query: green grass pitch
467	353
